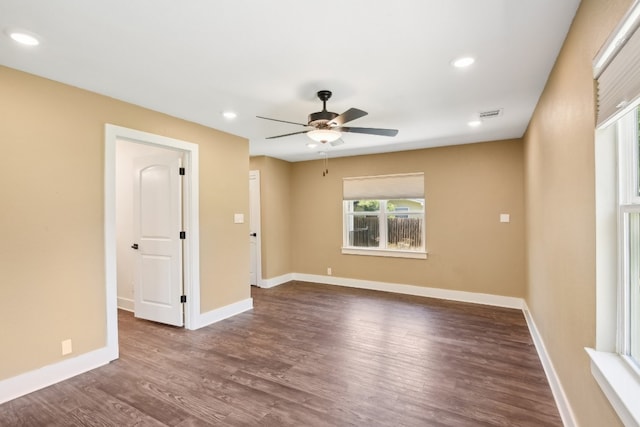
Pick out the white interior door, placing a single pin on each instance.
(254, 228)
(157, 225)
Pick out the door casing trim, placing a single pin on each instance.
(191, 223)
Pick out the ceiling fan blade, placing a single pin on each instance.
(287, 134)
(282, 121)
(347, 116)
(369, 131)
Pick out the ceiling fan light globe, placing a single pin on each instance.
(324, 135)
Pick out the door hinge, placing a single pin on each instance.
(181, 171)
(183, 298)
(183, 235)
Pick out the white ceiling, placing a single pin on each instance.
(195, 59)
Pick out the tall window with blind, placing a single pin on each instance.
(615, 363)
(384, 215)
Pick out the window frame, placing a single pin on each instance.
(617, 155)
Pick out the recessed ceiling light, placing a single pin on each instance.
(229, 115)
(463, 62)
(474, 123)
(23, 37)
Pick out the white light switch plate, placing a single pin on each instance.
(238, 218)
(505, 218)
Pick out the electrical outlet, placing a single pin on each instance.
(329, 272)
(66, 347)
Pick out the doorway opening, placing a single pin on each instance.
(149, 207)
(255, 235)
(143, 142)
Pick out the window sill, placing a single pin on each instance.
(385, 253)
(619, 382)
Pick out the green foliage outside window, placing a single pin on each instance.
(371, 206)
(366, 206)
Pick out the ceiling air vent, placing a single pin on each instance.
(490, 114)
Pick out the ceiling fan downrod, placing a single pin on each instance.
(321, 118)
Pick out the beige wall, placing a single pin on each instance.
(275, 215)
(52, 215)
(560, 203)
(467, 187)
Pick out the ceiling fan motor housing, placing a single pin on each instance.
(321, 118)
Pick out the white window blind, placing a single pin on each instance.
(617, 70)
(404, 186)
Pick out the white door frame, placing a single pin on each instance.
(191, 224)
(256, 208)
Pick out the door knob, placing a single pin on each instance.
(134, 246)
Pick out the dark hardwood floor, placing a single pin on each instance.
(312, 355)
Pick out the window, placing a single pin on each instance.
(615, 362)
(632, 285)
(384, 216)
(629, 234)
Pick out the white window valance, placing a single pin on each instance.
(617, 70)
(401, 186)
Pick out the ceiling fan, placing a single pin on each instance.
(328, 126)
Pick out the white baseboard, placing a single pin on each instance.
(225, 312)
(568, 418)
(37, 379)
(462, 296)
(126, 304)
(275, 281)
